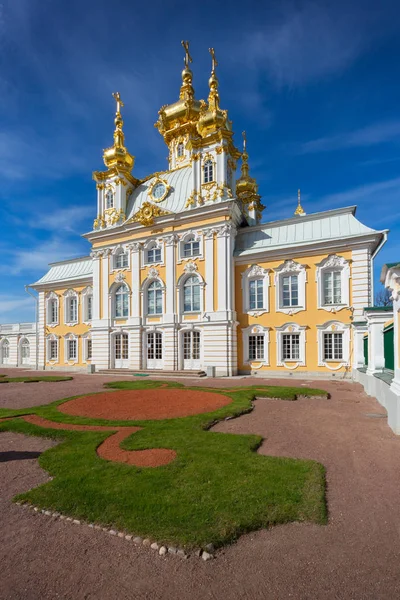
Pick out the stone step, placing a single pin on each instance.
(154, 373)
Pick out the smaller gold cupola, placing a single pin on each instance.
(177, 121)
(213, 118)
(117, 156)
(247, 189)
(299, 212)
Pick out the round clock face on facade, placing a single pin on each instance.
(159, 191)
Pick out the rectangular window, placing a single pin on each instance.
(53, 347)
(256, 294)
(333, 346)
(256, 347)
(290, 346)
(121, 260)
(88, 349)
(72, 310)
(332, 287)
(290, 290)
(89, 307)
(72, 349)
(191, 249)
(53, 311)
(154, 255)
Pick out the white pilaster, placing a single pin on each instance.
(359, 330)
(209, 259)
(135, 298)
(170, 270)
(376, 354)
(105, 294)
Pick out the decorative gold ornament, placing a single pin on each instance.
(219, 149)
(110, 217)
(299, 212)
(157, 183)
(147, 213)
(100, 186)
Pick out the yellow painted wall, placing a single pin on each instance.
(62, 330)
(311, 317)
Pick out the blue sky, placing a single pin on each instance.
(315, 85)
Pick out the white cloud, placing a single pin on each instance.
(62, 219)
(371, 135)
(15, 308)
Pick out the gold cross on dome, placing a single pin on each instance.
(117, 98)
(188, 59)
(214, 60)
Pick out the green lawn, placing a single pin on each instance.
(33, 379)
(217, 488)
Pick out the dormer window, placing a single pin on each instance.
(208, 171)
(109, 199)
(180, 151)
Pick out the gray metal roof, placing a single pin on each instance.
(81, 268)
(181, 187)
(317, 227)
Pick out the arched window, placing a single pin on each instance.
(109, 199)
(180, 150)
(208, 171)
(191, 247)
(121, 259)
(52, 308)
(5, 351)
(52, 348)
(154, 298)
(71, 307)
(191, 294)
(122, 301)
(153, 253)
(25, 351)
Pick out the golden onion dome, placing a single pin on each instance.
(117, 155)
(212, 117)
(246, 186)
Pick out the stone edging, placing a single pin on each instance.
(161, 549)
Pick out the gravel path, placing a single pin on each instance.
(356, 556)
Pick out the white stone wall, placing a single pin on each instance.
(15, 334)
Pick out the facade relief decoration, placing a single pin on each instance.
(147, 213)
(109, 218)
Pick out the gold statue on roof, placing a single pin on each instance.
(188, 59)
(299, 212)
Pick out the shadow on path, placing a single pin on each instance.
(15, 455)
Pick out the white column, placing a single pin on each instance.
(359, 330)
(170, 270)
(96, 285)
(225, 239)
(209, 258)
(135, 268)
(376, 354)
(105, 273)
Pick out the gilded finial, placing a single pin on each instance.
(117, 98)
(245, 156)
(188, 59)
(299, 212)
(214, 60)
(117, 155)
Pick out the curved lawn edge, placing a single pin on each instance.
(46, 378)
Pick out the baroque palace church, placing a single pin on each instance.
(183, 275)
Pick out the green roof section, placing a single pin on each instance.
(379, 308)
(392, 265)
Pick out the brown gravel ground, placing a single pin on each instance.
(356, 556)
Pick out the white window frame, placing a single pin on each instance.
(49, 339)
(86, 294)
(252, 273)
(51, 298)
(149, 245)
(68, 297)
(190, 270)
(116, 253)
(290, 267)
(5, 343)
(187, 237)
(108, 190)
(255, 330)
(289, 328)
(334, 263)
(152, 277)
(334, 327)
(114, 288)
(180, 146)
(69, 338)
(85, 344)
(208, 159)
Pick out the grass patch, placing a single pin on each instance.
(33, 379)
(217, 488)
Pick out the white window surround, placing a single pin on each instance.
(190, 270)
(51, 298)
(49, 339)
(69, 295)
(187, 237)
(291, 328)
(153, 275)
(69, 338)
(255, 330)
(116, 253)
(334, 327)
(334, 263)
(255, 272)
(149, 245)
(290, 267)
(119, 281)
(85, 339)
(86, 294)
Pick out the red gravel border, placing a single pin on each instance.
(141, 405)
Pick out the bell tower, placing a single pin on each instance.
(116, 184)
